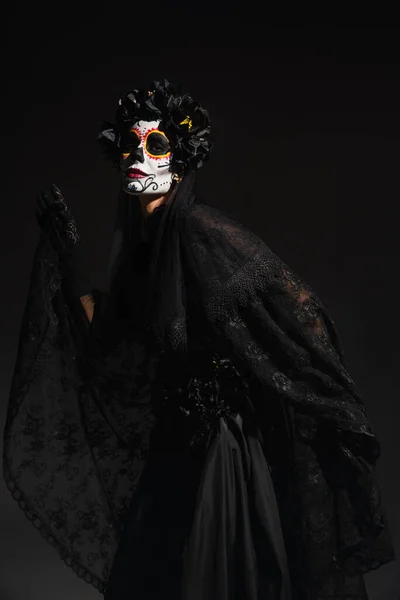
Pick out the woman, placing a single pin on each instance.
(194, 433)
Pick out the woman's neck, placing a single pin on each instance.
(148, 205)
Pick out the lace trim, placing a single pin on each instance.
(79, 570)
(46, 261)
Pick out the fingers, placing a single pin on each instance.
(57, 192)
(50, 198)
(46, 199)
(55, 219)
(43, 202)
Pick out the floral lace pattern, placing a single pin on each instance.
(79, 423)
(318, 440)
(73, 482)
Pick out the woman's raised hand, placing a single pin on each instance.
(56, 220)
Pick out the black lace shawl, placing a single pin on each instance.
(318, 440)
(77, 430)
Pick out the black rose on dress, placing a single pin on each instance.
(185, 122)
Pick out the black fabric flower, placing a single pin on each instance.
(183, 120)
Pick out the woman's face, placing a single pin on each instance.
(146, 160)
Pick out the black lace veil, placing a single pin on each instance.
(140, 259)
(145, 275)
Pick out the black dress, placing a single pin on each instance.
(204, 522)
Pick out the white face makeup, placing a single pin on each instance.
(146, 160)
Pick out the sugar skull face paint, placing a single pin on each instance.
(146, 160)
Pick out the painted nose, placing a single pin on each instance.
(137, 155)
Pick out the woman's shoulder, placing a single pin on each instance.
(215, 226)
(204, 213)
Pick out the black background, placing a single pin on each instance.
(306, 126)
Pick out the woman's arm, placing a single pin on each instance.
(59, 225)
(88, 303)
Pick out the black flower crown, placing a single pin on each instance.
(183, 120)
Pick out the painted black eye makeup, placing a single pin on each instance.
(157, 144)
(129, 142)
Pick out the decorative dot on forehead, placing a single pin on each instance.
(142, 128)
(141, 131)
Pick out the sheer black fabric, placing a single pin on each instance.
(154, 268)
(77, 427)
(86, 414)
(272, 325)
